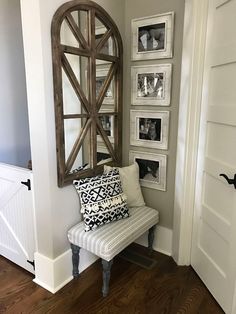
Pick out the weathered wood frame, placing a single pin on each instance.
(91, 105)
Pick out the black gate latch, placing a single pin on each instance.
(27, 183)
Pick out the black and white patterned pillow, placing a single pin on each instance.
(102, 199)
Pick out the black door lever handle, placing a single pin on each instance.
(230, 181)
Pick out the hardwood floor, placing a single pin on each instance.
(166, 288)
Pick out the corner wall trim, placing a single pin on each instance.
(193, 56)
(53, 274)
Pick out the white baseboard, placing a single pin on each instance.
(162, 240)
(55, 274)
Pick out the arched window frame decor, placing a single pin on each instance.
(91, 104)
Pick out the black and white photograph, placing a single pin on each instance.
(101, 76)
(152, 169)
(149, 128)
(107, 122)
(152, 37)
(151, 85)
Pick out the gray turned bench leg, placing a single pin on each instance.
(75, 260)
(151, 233)
(106, 276)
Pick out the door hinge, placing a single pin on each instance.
(27, 183)
(32, 263)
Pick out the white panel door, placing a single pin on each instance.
(17, 232)
(214, 235)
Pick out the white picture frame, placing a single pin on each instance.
(101, 75)
(151, 85)
(152, 37)
(152, 169)
(149, 128)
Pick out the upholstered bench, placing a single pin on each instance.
(109, 240)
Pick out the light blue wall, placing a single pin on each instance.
(14, 126)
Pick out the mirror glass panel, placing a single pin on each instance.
(105, 44)
(87, 90)
(71, 103)
(67, 37)
(103, 155)
(103, 81)
(73, 130)
(83, 22)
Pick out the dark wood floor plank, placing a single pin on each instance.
(167, 289)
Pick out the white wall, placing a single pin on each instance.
(14, 126)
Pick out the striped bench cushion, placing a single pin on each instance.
(109, 240)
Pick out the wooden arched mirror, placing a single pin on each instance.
(87, 72)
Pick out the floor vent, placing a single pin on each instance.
(144, 261)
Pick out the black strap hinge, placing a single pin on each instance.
(32, 263)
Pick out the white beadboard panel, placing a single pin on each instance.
(19, 216)
(11, 249)
(4, 185)
(17, 232)
(7, 240)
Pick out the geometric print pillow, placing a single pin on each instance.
(102, 199)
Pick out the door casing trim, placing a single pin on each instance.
(193, 55)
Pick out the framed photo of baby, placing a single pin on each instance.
(149, 128)
(152, 37)
(151, 85)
